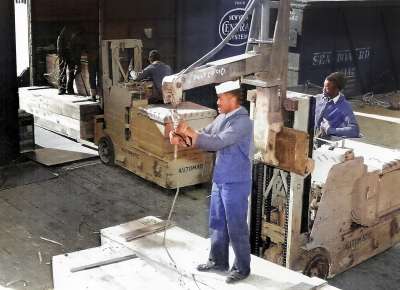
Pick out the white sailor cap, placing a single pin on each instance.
(227, 87)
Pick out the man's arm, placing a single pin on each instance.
(144, 74)
(350, 130)
(208, 128)
(214, 142)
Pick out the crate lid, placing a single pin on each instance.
(186, 110)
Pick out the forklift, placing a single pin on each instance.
(135, 135)
(319, 209)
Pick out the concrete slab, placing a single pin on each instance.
(183, 251)
(47, 139)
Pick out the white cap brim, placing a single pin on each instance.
(227, 87)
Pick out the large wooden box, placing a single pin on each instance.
(152, 125)
(189, 168)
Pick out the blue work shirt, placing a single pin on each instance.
(339, 114)
(231, 136)
(155, 72)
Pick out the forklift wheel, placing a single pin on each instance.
(318, 266)
(106, 150)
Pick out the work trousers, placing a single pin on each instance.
(73, 66)
(93, 68)
(228, 224)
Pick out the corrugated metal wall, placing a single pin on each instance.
(9, 147)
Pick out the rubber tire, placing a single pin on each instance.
(317, 266)
(106, 151)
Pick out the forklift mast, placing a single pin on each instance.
(281, 135)
(264, 66)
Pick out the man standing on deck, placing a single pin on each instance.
(231, 137)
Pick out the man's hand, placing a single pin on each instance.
(325, 126)
(182, 128)
(187, 134)
(173, 139)
(178, 139)
(133, 75)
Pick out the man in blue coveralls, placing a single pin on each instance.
(231, 137)
(333, 113)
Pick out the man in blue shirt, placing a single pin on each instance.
(333, 113)
(154, 72)
(231, 137)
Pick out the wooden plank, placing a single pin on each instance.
(73, 106)
(147, 230)
(61, 114)
(103, 263)
(69, 115)
(52, 157)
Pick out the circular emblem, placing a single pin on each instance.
(228, 23)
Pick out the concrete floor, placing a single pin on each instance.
(89, 196)
(72, 208)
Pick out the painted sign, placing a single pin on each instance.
(228, 23)
(230, 13)
(343, 59)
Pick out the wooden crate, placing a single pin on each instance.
(140, 136)
(152, 124)
(190, 168)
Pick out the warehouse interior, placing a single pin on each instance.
(95, 194)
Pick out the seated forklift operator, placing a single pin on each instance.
(333, 113)
(154, 72)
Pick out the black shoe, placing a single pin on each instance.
(61, 92)
(210, 266)
(69, 92)
(235, 276)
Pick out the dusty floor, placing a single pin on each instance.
(88, 196)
